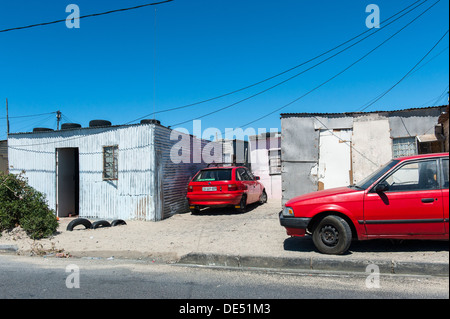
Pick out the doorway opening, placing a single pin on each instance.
(67, 182)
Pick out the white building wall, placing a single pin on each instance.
(334, 158)
(372, 145)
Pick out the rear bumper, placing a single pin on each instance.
(295, 226)
(214, 199)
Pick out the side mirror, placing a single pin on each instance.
(257, 178)
(382, 187)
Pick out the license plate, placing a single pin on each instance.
(209, 189)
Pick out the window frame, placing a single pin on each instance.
(416, 161)
(274, 169)
(115, 163)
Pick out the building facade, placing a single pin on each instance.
(130, 172)
(322, 151)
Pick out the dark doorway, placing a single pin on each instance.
(67, 182)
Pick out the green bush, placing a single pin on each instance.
(21, 205)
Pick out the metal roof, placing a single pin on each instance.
(285, 115)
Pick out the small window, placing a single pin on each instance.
(405, 146)
(110, 166)
(274, 162)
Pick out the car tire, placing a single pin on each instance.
(242, 204)
(118, 222)
(263, 197)
(100, 223)
(79, 221)
(332, 235)
(195, 211)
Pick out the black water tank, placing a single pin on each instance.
(67, 126)
(95, 123)
(42, 129)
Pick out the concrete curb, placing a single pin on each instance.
(8, 249)
(316, 264)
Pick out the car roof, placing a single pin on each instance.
(432, 155)
(221, 167)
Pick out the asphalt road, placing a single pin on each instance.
(72, 278)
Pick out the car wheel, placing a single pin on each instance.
(242, 204)
(263, 197)
(100, 223)
(79, 221)
(332, 235)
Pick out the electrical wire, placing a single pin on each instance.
(288, 70)
(406, 75)
(254, 95)
(341, 72)
(86, 16)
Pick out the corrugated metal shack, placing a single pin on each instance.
(107, 172)
(4, 157)
(322, 151)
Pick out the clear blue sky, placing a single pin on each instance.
(114, 68)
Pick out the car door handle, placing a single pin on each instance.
(428, 200)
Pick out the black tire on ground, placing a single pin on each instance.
(79, 221)
(100, 223)
(118, 222)
(242, 205)
(263, 197)
(332, 235)
(195, 211)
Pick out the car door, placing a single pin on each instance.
(445, 199)
(410, 204)
(245, 180)
(253, 185)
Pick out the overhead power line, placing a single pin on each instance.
(360, 59)
(290, 69)
(406, 75)
(86, 16)
(31, 115)
(341, 72)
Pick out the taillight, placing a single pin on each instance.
(232, 187)
(190, 189)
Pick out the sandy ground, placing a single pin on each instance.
(220, 231)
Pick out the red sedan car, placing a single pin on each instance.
(225, 186)
(405, 199)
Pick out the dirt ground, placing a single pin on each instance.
(219, 231)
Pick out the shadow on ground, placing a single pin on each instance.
(305, 244)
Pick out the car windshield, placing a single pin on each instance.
(369, 180)
(211, 175)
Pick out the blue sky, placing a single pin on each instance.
(122, 66)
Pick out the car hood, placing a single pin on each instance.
(322, 195)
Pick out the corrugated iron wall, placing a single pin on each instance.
(131, 196)
(176, 176)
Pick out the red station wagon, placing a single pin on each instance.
(405, 199)
(225, 186)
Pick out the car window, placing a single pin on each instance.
(250, 175)
(211, 175)
(242, 175)
(372, 178)
(414, 176)
(445, 171)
